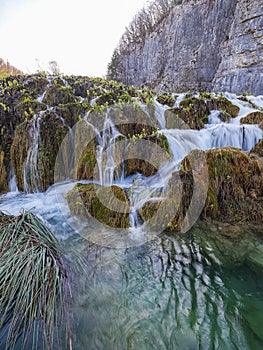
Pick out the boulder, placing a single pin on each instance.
(108, 205)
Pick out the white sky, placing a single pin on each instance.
(79, 34)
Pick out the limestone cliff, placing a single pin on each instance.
(200, 44)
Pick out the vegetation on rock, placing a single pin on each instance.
(253, 118)
(97, 201)
(234, 192)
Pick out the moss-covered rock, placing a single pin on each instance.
(222, 104)
(36, 83)
(72, 112)
(145, 154)
(166, 99)
(131, 119)
(19, 151)
(52, 132)
(257, 149)
(87, 163)
(57, 94)
(253, 118)
(234, 194)
(235, 186)
(193, 112)
(27, 108)
(109, 205)
(3, 175)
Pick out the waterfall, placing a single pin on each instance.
(107, 167)
(12, 180)
(31, 168)
(70, 166)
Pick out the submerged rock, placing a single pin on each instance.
(108, 205)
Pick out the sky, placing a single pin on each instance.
(80, 35)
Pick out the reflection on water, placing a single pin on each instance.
(167, 294)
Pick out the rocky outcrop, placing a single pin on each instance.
(202, 44)
(253, 118)
(108, 205)
(234, 194)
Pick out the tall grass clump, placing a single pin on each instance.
(34, 285)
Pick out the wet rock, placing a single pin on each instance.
(3, 175)
(257, 150)
(193, 112)
(108, 205)
(19, 151)
(145, 154)
(253, 118)
(234, 192)
(166, 99)
(59, 95)
(52, 132)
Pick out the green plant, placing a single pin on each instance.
(33, 282)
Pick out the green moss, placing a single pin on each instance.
(52, 132)
(258, 149)
(85, 202)
(3, 175)
(145, 154)
(87, 162)
(166, 99)
(56, 95)
(19, 151)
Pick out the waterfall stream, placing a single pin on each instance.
(31, 166)
(190, 291)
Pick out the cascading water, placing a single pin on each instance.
(31, 166)
(12, 181)
(174, 292)
(107, 167)
(71, 145)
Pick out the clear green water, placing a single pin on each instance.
(180, 292)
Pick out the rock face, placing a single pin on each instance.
(201, 44)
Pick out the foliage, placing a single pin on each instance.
(33, 282)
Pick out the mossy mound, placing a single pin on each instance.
(132, 120)
(72, 112)
(3, 175)
(145, 154)
(235, 191)
(166, 99)
(224, 105)
(86, 165)
(19, 151)
(235, 186)
(253, 118)
(193, 112)
(258, 149)
(109, 205)
(57, 94)
(52, 132)
(28, 107)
